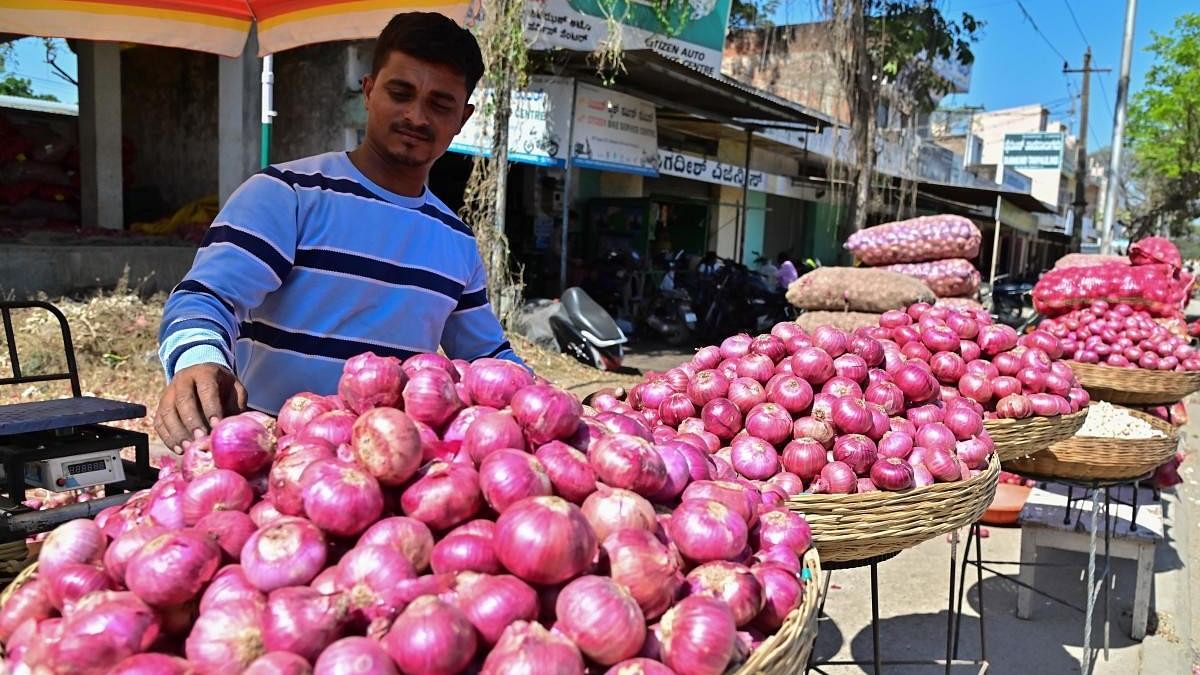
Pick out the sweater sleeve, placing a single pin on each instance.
(472, 330)
(246, 254)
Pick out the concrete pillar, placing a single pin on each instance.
(238, 118)
(100, 162)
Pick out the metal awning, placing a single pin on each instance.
(649, 75)
(983, 196)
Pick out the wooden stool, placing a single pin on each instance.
(1042, 526)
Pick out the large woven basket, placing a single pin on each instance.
(1135, 386)
(1091, 458)
(1020, 438)
(787, 651)
(857, 527)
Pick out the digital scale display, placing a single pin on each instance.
(86, 467)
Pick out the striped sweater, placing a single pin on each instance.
(310, 263)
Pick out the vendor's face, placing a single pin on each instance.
(414, 109)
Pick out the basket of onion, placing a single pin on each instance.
(431, 517)
(1122, 355)
(1115, 443)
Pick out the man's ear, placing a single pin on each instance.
(467, 112)
(368, 84)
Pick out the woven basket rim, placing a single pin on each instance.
(1008, 423)
(1015, 438)
(883, 498)
(1136, 386)
(794, 640)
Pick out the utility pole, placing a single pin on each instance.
(1080, 203)
(1118, 137)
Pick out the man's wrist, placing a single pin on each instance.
(199, 354)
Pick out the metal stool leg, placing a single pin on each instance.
(979, 586)
(878, 657)
(951, 622)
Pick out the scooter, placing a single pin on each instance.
(584, 330)
(669, 313)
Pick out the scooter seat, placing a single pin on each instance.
(585, 313)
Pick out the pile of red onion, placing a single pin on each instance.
(1121, 336)
(431, 517)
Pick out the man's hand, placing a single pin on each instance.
(197, 397)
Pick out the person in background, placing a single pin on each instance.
(314, 261)
(787, 270)
(709, 264)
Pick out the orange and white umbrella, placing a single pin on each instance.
(215, 26)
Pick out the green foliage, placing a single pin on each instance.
(752, 13)
(905, 38)
(23, 87)
(1164, 125)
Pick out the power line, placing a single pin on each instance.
(1076, 22)
(1104, 92)
(1033, 23)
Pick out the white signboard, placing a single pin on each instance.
(695, 33)
(684, 165)
(614, 132)
(537, 129)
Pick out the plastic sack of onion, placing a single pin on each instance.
(432, 517)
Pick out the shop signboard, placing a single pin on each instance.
(1042, 150)
(691, 32)
(537, 129)
(614, 132)
(684, 165)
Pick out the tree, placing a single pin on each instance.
(893, 44)
(23, 87)
(752, 13)
(1164, 131)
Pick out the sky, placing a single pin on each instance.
(1014, 65)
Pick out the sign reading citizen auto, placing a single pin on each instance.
(1033, 151)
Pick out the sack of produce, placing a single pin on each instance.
(916, 240)
(846, 321)
(1155, 251)
(1089, 260)
(1159, 289)
(959, 303)
(947, 278)
(856, 289)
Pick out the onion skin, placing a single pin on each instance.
(354, 655)
(601, 618)
(610, 510)
(227, 638)
(646, 568)
(101, 631)
(229, 529)
(491, 603)
(571, 476)
(491, 432)
(699, 637)
(340, 498)
(508, 476)
(302, 621)
(241, 443)
(387, 444)
(30, 601)
(544, 540)
(721, 417)
(217, 490)
(173, 567)
(431, 636)
(409, 536)
(628, 462)
(368, 578)
(546, 413)
(76, 541)
(230, 584)
(465, 553)
(804, 457)
(289, 552)
(301, 409)
(370, 381)
(153, 664)
(492, 382)
(525, 647)
(783, 527)
(706, 530)
(444, 496)
(782, 593)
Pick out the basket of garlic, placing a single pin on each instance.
(1114, 443)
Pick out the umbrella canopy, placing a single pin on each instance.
(215, 26)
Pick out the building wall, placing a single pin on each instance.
(314, 103)
(793, 62)
(169, 115)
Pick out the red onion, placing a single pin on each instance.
(816, 429)
(706, 530)
(370, 381)
(975, 451)
(916, 351)
(851, 366)
(769, 345)
(339, 497)
(918, 386)
(217, 490)
(838, 478)
(939, 339)
(570, 474)
(769, 422)
(465, 552)
(371, 578)
(707, 385)
(289, 552)
(285, 488)
(838, 386)
(546, 413)
(948, 367)
(782, 594)
(492, 382)
(507, 476)
(851, 415)
(639, 666)
(756, 367)
(241, 443)
(491, 432)
(699, 636)
(995, 339)
(302, 621)
(29, 602)
(153, 664)
(734, 495)
(601, 618)
(444, 495)
(491, 603)
(354, 655)
(264, 513)
(609, 510)
(745, 393)
(831, 340)
(429, 360)
(895, 444)
(300, 409)
(1014, 406)
(165, 504)
(736, 346)
(173, 567)
(544, 540)
(963, 423)
(936, 436)
(921, 475)
(103, 629)
(790, 483)
(1044, 405)
(526, 647)
(790, 393)
(618, 423)
(333, 427)
(229, 530)
(855, 450)
(628, 462)
(430, 397)
(942, 465)
(780, 556)
(386, 443)
(886, 395)
(652, 394)
(722, 418)
(646, 567)
(431, 636)
(230, 584)
(781, 527)
(804, 457)
(813, 365)
(892, 473)
(676, 408)
(72, 581)
(707, 357)
(754, 457)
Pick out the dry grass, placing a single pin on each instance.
(115, 339)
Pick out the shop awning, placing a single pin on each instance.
(984, 196)
(215, 26)
(672, 85)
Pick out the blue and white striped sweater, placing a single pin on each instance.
(310, 263)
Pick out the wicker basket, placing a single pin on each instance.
(787, 651)
(1020, 438)
(863, 526)
(1135, 386)
(1091, 458)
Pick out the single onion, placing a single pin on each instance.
(546, 413)
(243, 444)
(570, 474)
(943, 465)
(289, 552)
(491, 603)
(791, 483)
(646, 567)
(856, 451)
(757, 367)
(229, 530)
(465, 552)
(628, 462)
(781, 556)
(430, 397)
(544, 540)
(722, 418)
(230, 584)
(526, 647)
(370, 381)
(227, 637)
(101, 630)
(300, 409)
(490, 432)
(1014, 406)
(609, 510)
(781, 527)
(936, 436)
(372, 578)
(699, 636)
(431, 636)
(918, 385)
(734, 495)
(895, 444)
(892, 474)
(217, 490)
(353, 655)
(886, 395)
(386, 443)
(173, 567)
(492, 382)
(975, 451)
(706, 386)
(705, 530)
(963, 423)
(443, 496)
(339, 497)
(29, 602)
(782, 593)
(334, 427)
(302, 621)
(601, 618)
(72, 581)
(745, 393)
(790, 393)
(817, 429)
(619, 423)
(508, 476)
(838, 478)
(754, 457)
(770, 422)
(676, 408)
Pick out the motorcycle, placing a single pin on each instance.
(669, 313)
(738, 300)
(584, 330)
(1011, 301)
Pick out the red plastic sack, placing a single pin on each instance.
(1155, 251)
(952, 278)
(1159, 289)
(916, 240)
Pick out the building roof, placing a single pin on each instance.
(984, 196)
(38, 105)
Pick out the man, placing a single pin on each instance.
(787, 270)
(314, 261)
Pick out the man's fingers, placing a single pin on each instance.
(188, 407)
(172, 430)
(233, 395)
(209, 394)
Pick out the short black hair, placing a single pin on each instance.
(431, 37)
